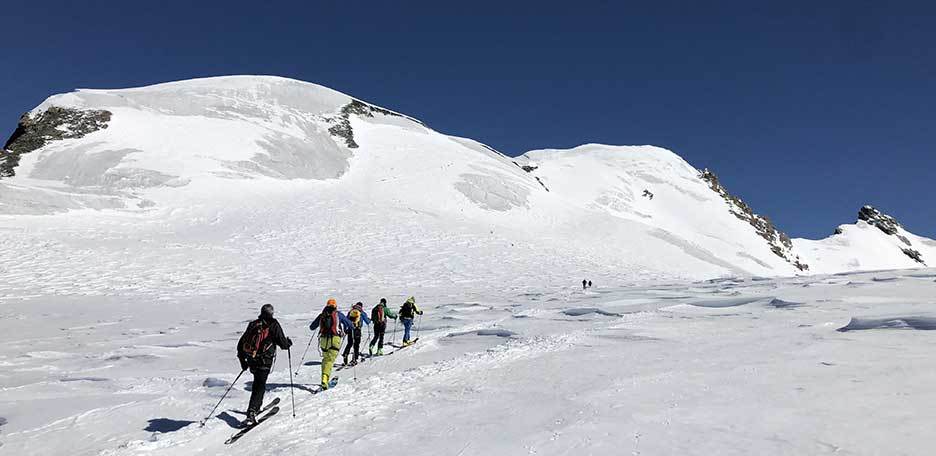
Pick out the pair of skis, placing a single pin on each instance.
(264, 415)
(268, 411)
(361, 358)
(404, 345)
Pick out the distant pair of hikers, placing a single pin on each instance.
(332, 324)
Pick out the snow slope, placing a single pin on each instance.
(728, 367)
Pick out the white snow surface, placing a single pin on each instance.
(132, 258)
(730, 367)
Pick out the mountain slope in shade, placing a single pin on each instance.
(278, 174)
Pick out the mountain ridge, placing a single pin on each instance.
(159, 149)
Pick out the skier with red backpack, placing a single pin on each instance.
(256, 351)
(331, 326)
(379, 315)
(358, 318)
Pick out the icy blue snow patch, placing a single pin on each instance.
(859, 324)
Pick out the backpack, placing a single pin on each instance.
(407, 310)
(328, 322)
(378, 314)
(355, 316)
(255, 341)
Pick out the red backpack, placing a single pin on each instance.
(255, 339)
(379, 314)
(328, 322)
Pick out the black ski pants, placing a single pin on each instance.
(379, 330)
(258, 389)
(354, 339)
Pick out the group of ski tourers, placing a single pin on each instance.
(256, 348)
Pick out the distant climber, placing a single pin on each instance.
(331, 326)
(358, 318)
(256, 351)
(589, 284)
(584, 284)
(379, 315)
(407, 313)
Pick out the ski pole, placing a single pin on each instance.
(222, 398)
(304, 355)
(292, 388)
(395, 321)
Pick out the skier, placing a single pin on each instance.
(379, 315)
(589, 284)
(584, 284)
(331, 325)
(407, 313)
(256, 351)
(357, 317)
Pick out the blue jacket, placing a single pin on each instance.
(342, 319)
(364, 317)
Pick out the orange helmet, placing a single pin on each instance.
(332, 303)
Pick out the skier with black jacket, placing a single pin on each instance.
(256, 351)
(407, 314)
(379, 315)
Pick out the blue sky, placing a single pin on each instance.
(808, 110)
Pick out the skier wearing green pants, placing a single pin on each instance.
(331, 326)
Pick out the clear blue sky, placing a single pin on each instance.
(806, 109)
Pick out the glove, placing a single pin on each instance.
(288, 343)
(243, 363)
(420, 312)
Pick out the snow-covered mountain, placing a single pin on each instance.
(141, 228)
(258, 166)
(876, 241)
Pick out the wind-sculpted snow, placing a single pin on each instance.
(491, 192)
(781, 304)
(130, 373)
(484, 332)
(582, 311)
(81, 166)
(727, 302)
(289, 157)
(858, 324)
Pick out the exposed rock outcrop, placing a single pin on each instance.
(342, 123)
(53, 124)
(780, 244)
(889, 226)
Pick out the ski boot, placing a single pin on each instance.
(251, 419)
(345, 360)
(370, 350)
(379, 352)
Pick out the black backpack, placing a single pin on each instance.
(256, 340)
(407, 310)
